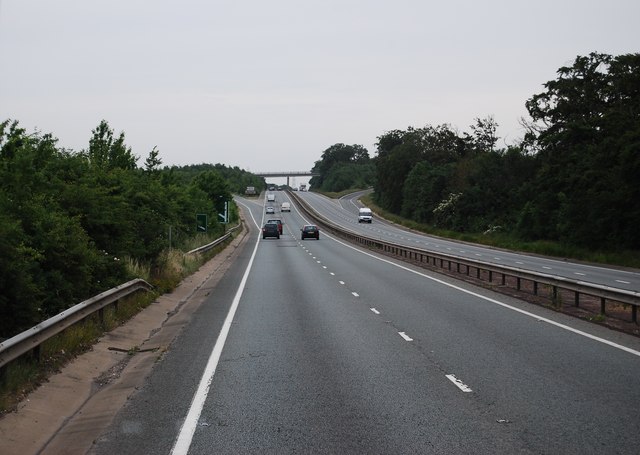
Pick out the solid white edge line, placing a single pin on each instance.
(504, 305)
(182, 444)
(459, 384)
(488, 299)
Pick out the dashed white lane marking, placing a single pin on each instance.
(497, 302)
(341, 282)
(578, 273)
(374, 310)
(518, 262)
(355, 294)
(546, 267)
(459, 384)
(332, 274)
(623, 282)
(405, 336)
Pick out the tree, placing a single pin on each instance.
(587, 135)
(342, 167)
(107, 153)
(153, 161)
(485, 134)
(400, 151)
(425, 187)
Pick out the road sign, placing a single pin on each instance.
(225, 216)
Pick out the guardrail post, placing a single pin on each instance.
(602, 300)
(535, 288)
(634, 313)
(101, 316)
(490, 276)
(504, 279)
(35, 352)
(554, 296)
(576, 299)
(518, 283)
(478, 272)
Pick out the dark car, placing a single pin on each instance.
(270, 230)
(278, 222)
(310, 231)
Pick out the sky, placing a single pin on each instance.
(269, 85)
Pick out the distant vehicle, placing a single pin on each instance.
(270, 210)
(271, 197)
(310, 231)
(278, 222)
(272, 188)
(270, 230)
(250, 191)
(285, 207)
(365, 215)
(303, 187)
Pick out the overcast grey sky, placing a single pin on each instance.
(269, 85)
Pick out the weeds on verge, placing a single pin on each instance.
(23, 375)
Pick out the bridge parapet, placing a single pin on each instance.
(287, 174)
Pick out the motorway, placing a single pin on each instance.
(317, 346)
(344, 212)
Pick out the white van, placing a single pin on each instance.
(271, 197)
(285, 207)
(365, 215)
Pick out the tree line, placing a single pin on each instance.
(70, 222)
(572, 178)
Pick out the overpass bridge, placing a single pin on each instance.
(287, 174)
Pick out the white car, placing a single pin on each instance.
(270, 210)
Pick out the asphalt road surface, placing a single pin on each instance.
(315, 346)
(344, 212)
